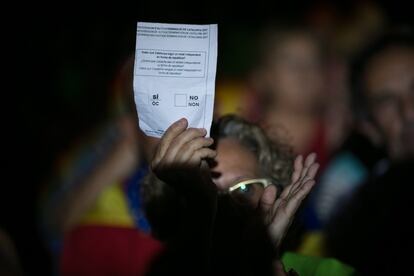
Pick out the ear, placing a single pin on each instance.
(268, 198)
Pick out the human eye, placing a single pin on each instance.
(248, 193)
(245, 189)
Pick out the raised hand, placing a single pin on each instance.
(280, 211)
(180, 152)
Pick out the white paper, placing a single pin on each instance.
(174, 75)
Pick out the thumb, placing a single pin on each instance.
(268, 198)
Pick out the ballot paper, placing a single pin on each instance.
(174, 75)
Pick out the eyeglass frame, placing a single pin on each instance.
(264, 181)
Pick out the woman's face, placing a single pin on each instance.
(236, 163)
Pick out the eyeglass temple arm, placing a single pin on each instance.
(265, 182)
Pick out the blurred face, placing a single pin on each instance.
(389, 84)
(236, 163)
(295, 75)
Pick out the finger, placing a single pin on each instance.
(194, 161)
(310, 159)
(312, 171)
(185, 137)
(286, 191)
(279, 204)
(173, 131)
(201, 154)
(268, 198)
(309, 176)
(187, 150)
(298, 166)
(296, 199)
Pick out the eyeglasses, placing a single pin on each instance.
(249, 191)
(243, 185)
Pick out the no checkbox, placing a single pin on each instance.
(180, 100)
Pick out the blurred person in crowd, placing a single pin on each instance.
(231, 218)
(382, 80)
(379, 160)
(91, 212)
(290, 81)
(298, 100)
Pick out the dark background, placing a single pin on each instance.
(61, 60)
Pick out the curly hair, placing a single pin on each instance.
(275, 158)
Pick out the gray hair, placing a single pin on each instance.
(274, 157)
